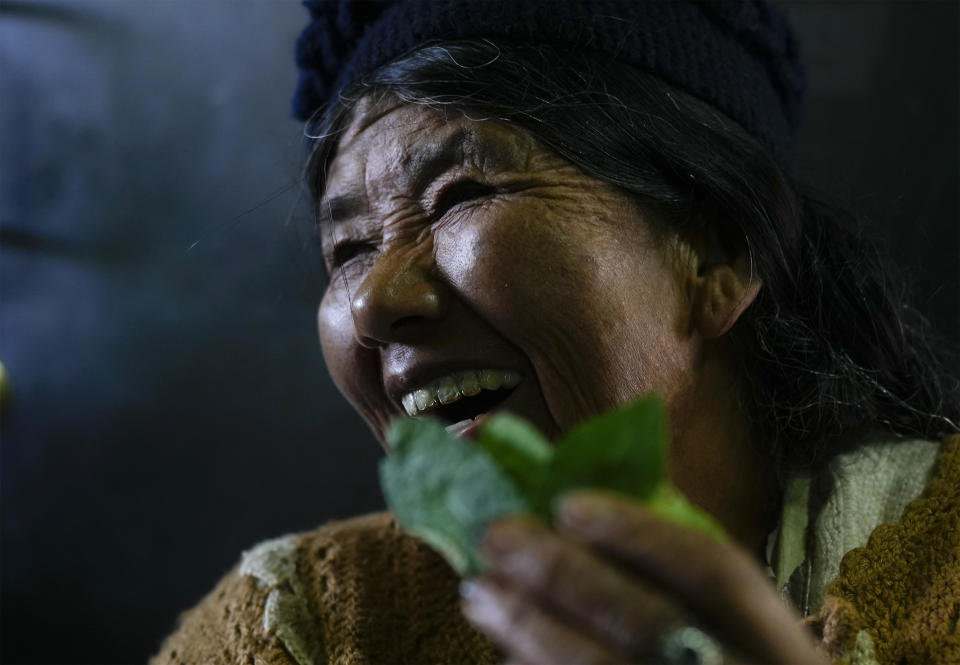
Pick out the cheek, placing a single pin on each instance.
(335, 327)
(537, 269)
(354, 369)
(594, 310)
(507, 262)
(536, 278)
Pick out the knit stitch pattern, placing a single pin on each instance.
(870, 486)
(362, 591)
(903, 587)
(738, 55)
(286, 612)
(383, 596)
(372, 594)
(226, 628)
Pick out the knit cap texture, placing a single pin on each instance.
(739, 55)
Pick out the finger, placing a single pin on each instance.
(720, 581)
(569, 580)
(526, 632)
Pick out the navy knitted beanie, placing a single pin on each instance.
(738, 55)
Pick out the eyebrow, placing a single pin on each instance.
(422, 167)
(429, 163)
(341, 207)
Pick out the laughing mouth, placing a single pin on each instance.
(461, 395)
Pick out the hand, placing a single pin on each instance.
(613, 579)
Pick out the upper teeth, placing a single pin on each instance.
(450, 388)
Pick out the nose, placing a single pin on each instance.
(398, 298)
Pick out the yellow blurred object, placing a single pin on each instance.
(4, 389)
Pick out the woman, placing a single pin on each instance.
(565, 206)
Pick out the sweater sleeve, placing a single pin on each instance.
(225, 628)
(351, 592)
(897, 599)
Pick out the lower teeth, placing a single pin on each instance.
(465, 421)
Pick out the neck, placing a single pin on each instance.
(714, 462)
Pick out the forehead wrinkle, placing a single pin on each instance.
(367, 112)
(428, 161)
(408, 165)
(426, 152)
(508, 147)
(418, 151)
(351, 201)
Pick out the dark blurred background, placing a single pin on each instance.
(169, 406)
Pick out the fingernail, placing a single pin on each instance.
(469, 591)
(574, 508)
(475, 596)
(484, 607)
(588, 509)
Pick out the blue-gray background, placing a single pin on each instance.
(158, 285)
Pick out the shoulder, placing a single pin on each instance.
(224, 627)
(250, 612)
(896, 596)
(356, 590)
(834, 511)
(278, 561)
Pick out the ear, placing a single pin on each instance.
(721, 293)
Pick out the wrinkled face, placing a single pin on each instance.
(474, 272)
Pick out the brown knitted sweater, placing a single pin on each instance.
(897, 600)
(375, 595)
(361, 591)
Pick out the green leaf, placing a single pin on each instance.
(624, 450)
(445, 490)
(671, 505)
(517, 448)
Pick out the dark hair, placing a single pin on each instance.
(828, 350)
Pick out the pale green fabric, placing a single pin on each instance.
(870, 486)
(793, 527)
(863, 652)
(273, 563)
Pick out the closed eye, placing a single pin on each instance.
(460, 192)
(345, 251)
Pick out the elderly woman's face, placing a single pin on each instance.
(474, 272)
